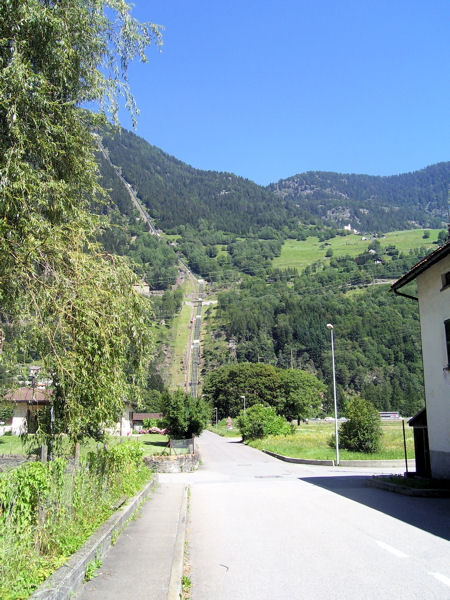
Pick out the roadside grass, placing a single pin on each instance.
(299, 254)
(49, 511)
(152, 443)
(222, 430)
(311, 441)
(12, 444)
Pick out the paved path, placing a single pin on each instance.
(261, 529)
(138, 566)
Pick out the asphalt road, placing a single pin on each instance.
(261, 529)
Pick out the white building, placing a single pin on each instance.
(27, 402)
(432, 275)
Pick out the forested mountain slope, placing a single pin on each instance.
(371, 203)
(176, 194)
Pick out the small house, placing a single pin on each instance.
(138, 418)
(27, 402)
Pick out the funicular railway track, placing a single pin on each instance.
(193, 350)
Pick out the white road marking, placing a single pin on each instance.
(392, 550)
(441, 578)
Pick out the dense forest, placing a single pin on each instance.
(153, 260)
(176, 194)
(370, 203)
(281, 320)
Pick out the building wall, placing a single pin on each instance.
(434, 306)
(19, 420)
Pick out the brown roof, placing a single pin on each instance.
(29, 395)
(422, 265)
(142, 416)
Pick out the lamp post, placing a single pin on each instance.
(243, 397)
(215, 408)
(331, 328)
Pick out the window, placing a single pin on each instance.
(447, 338)
(445, 280)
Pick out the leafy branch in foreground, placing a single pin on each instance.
(73, 305)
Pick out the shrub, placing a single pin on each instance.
(362, 430)
(184, 416)
(261, 421)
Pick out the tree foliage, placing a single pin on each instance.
(303, 394)
(74, 302)
(260, 421)
(294, 394)
(184, 415)
(362, 430)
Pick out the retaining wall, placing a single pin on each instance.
(182, 463)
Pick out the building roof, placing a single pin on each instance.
(419, 421)
(142, 416)
(29, 395)
(422, 266)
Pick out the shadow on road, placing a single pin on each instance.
(429, 514)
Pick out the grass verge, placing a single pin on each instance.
(152, 443)
(222, 430)
(311, 441)
(49, 511)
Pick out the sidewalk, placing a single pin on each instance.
(139, 565)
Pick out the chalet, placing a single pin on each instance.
(432, 275)
(27, 402)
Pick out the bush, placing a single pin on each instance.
(261, 421)
(362, 430)
(184, 416)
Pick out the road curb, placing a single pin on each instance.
(343, 463)
(301, 461)
(176, 572)
(62, 584)
(400, 462)
(406, 491)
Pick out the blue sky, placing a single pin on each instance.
(270, 88)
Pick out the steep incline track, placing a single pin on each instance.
(193, 350)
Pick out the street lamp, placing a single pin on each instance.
(215, 408)
(331, 328)
(243, 397)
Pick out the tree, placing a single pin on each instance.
(259, 383)
(442, 237)
(184, 416)
(303, 394)
(74, 302)
(362, 430)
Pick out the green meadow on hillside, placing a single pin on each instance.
(299, 254)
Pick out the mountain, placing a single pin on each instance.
(371, 203)
(176, 194)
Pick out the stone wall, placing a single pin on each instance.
(11, 461)
(182, 463)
